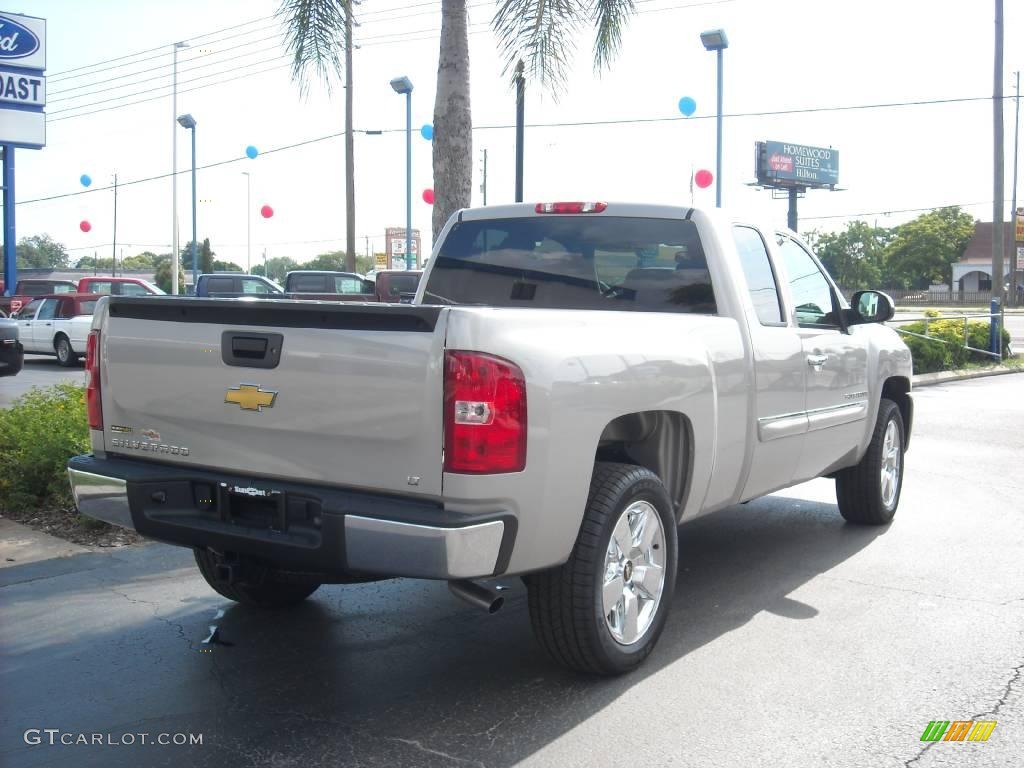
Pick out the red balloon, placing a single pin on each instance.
(428, 196)
(266, 211)
(85, 226)
(703, 179)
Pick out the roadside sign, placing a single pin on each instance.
(380, 260)
(1019, 237)
(20, 87)
(783, 164)
(22, 80)
(23, 129)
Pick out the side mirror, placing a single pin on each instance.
(873, 306)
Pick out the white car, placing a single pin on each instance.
(57, 325)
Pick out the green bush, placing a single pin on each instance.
(930, 356)
(38, 434)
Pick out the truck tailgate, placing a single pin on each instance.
(355, 398)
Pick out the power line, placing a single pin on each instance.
(168, 67)
(162, 96)
(629, 121)
(426, 34)
(169, 85)
(66, 74)
(897, 210)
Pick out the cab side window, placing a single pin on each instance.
(28, 312)
(254, 286)
(811, 291)
(47, 310)
(132, 289)
(757, 269)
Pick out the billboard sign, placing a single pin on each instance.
(22, 80)
(1019, 236)
(783, 164)
(394, 246)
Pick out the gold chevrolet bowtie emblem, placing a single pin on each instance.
(250, 397)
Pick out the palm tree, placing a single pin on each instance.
(314, 31)
(540, 33)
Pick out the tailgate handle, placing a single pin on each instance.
(251, 350)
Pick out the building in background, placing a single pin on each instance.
(973, 273)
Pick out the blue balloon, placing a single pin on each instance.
(427, 132)
(687, 106)
(86, 179)
(251, 152)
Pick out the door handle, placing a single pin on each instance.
(816, 361)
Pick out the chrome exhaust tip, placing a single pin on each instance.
(477, 594)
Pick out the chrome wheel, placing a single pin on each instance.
(890, 472)
(634, 573)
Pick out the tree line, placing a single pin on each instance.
(909, 256)
(43, 252)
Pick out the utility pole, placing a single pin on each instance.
(520, 127)
(113, 248)
(350, 173)
(995, 342)
(1012, 299)
(483, 185)
(175, 255)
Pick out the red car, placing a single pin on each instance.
(28, 289)
(118, 286)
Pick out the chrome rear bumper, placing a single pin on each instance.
(344, 540)
(100, 497)
(426, 551)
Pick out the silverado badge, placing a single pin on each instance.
(250, 397)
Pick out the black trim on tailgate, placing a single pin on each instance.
(277, 313)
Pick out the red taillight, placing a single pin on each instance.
(484, 414)
(92, 381)
(570, 207)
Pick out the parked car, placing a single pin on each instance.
(328, 286)
(12, 354)
(396, 286)
(118, 286)
(26, 290)
(572, 382)
(57, 325)
(226, 285)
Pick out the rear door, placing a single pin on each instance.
(836, 363)
(334, 394)
(779, 375)
(26, 321)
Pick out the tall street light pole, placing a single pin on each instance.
(995, 343)
(403, 85)
(1012, 299)
(175, 256)
(715, 40)
(248, 222)
(189, 122)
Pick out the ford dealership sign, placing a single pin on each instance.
(22, 80)
(16, 41)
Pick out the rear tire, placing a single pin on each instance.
(603, 611)
(869, 492)
(263, 588)
(65, 354)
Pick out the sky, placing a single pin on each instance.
(783, 56)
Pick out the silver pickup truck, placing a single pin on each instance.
(572, 381)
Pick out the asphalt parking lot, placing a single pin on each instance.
(794, 639)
